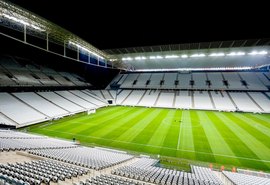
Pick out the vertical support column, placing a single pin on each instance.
(47, 44)
(24, 33)
(98, 61)
(78, 53)
(64, 48)
(89, 56)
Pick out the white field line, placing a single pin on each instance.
(180, 133)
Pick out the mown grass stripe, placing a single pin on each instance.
(186, 138)
(201, 143)
(261, 119)
(93, 126)
(260, 126)
(253, 129)
(136, 129)
(238, 147)
(254, 145)
(146, 134)
(71, 123)
(170, 139)
(159, 135)
(121, 125)
(214, 138)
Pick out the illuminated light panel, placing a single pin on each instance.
(127, 59)
(22, 22)
(85, 49)
(236, 53)
(140, 58)
(258, 53)
(198, 69)
(184, 56)
(198, 55)
(171, 56)
(155, 57)
(216, 54)
(113, 59)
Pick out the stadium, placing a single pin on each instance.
(189, 113)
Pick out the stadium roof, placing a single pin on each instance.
(16, 17)
(191, 46)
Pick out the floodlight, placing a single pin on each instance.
(79, 46)
(171, 56)
(198, 55)
(258, 53)
(21, 21)
(155, 57)
(127, 58)
(140, 58)
(236, 53)
(184, 56)
(216, 54)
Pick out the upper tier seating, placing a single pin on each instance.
(248, 81)
(13, 73)
(205, 100)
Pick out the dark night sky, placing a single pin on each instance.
(136, 24)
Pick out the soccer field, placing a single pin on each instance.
(239, 139)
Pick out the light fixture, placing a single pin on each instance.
(155, 57)
(171, 56)
(236, 53)
(198, 55)
(127, 59)
(79, 46)
(258, 53)
(140, 58)
(216, 54)
(22, 22)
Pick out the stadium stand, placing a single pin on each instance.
(87, 157)
(109, 179)
(222, 101)
(12, 108)
(183, 100)
(149, 98)
(42, 106)
(248, 81)
(222, 91)
(12, 140)
(144, 170)
(243, 179)
(12, 73)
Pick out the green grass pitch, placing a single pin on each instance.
(238, 139)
